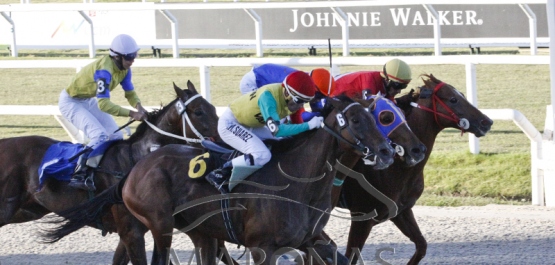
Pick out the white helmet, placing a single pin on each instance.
(123, 44)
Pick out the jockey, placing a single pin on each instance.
(394, 77)
(254, 117)
(269, 73)
(86, 101)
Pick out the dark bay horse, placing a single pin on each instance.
(429, 110)
(281, 205)
(20, 201)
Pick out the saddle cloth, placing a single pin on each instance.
(60, 160)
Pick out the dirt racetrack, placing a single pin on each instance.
(493, 234)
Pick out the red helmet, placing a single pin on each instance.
(299, 86)
(322, 79)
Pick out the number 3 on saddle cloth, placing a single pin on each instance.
(60, 160)
(214, 157)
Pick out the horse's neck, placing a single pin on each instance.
(424, 126)
(318, 152)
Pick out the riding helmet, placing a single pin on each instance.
(300, 86)
(397, 71)
(322, 78)
(123, 44)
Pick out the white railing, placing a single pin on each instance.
(204, 65)
(437, 42)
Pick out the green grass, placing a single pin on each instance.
(500, 174)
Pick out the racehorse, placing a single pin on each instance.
(21, 202)
(429, 110)
(281, 205)
(392, 124)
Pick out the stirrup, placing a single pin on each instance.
(218, 182)
(83, 184)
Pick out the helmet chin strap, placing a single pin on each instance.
(118, 62)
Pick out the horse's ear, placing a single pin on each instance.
(403, 102)
(335, 102)
(178, 91)
(365, 102)
(191, 86)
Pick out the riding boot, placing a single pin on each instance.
(219, 176)
(79, 178)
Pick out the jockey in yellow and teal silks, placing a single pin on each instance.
(256, 116)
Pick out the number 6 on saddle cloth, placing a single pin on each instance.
(214, 157)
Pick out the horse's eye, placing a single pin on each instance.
(354, 120)
(198, 112)
(453, 100)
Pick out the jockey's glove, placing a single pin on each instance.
(315, 122)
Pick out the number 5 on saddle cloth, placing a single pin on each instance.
(214, 157)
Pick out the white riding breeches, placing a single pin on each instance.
(244, 139)
(85, 115)
(248, 83)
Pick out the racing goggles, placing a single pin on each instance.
(127, 57)
(397, 85)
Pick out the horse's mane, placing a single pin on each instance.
(404, 101)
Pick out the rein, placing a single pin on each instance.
(181, 108)
(344, 124)
(463, 123)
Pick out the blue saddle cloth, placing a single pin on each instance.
(56, 163)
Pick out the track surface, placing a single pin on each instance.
(493, 234)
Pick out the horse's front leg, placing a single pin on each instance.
(120, 255)
(323, 248)
(206, 248)
(359, 232)
(407, 224)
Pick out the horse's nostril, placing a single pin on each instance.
(387, 151)
(418, 150)
(486, 122)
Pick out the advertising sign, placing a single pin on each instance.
(398, 22)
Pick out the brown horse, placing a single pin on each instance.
(281, 205)
(432, 108)
(20, 201)
(400, 134)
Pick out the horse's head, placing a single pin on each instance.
(449, 107)
(189, 113)
(200, 116)
(351, 123)
(392, 124)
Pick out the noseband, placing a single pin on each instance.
(463, 123)
(181, 109)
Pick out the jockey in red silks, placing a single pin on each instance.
(269, 73)
(394, 77)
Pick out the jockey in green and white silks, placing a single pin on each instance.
(256, 116)
(86, 101)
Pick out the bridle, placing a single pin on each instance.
(343, 124)
(181, 109)
(462, 123)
